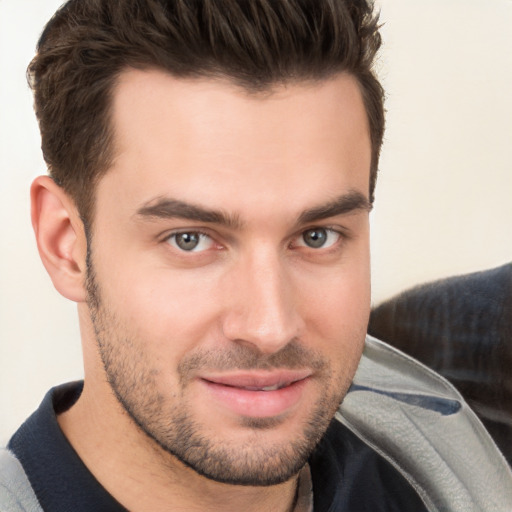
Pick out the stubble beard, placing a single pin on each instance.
(169, 423)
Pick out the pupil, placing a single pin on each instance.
(187, 241)
(315, 237)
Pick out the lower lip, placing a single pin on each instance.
(256, 404)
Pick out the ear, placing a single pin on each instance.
(60, 237)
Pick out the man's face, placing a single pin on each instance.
(229, 267)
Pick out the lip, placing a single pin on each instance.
(257, 394)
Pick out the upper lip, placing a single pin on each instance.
(258, 379)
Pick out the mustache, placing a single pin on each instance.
(293, 356)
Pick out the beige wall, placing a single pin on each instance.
(443, 199)
(444, 196)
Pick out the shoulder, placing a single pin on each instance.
(350, 476)
(16, 494)
(419, 423)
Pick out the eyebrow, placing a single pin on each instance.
(167, 208)
(345, 204)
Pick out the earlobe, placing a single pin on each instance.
(60, 237)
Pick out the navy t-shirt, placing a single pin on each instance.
(348, 475)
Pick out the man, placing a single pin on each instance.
(212, 168)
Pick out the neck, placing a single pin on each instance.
(142, 476)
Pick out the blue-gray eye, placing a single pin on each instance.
(190, 241)
(319, 238)
(187, 241)
(315, 238)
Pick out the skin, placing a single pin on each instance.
(259, 300)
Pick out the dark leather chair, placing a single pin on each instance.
(462, 328)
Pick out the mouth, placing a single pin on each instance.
(253, 394)
(259, 381)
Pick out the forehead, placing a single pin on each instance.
(201, 135)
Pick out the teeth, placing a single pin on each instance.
(271, 388)
(266, 388)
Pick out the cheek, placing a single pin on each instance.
(341, 297)
(337, 315)
(163, 308)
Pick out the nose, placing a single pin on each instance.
(262, 308)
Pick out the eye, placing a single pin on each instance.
(319, 238)
(190, 241)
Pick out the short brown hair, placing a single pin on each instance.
(255, 43)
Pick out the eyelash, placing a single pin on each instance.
(341, 235)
